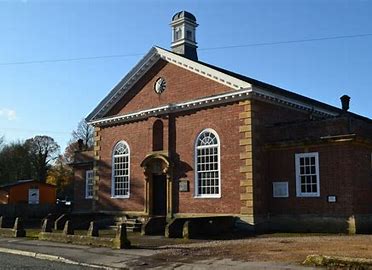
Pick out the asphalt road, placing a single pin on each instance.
(10, 262)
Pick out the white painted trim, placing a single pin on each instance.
(212, 101)
(113, 196)
(204, 196)
(202, 70)
(86, 183)
(125, 84)
(183, 106)
(267, 95)
(146, 63)
(298, 179)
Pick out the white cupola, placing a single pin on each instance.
(183, 34)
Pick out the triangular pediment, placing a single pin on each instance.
(148, 62)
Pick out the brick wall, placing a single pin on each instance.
(334, 174)
(249, 126)
(182, 85)
(225, 121)
(361, 177)
(266, 115)
(138, 137)
(80, 203)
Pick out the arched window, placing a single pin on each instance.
(207, 165)
(120, 170)
(157, 136)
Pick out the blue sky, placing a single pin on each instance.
(52, 97)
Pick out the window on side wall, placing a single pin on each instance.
(89, 184)
(120, 170)
(307, 175)
(207, 165)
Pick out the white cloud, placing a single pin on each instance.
(8, 114)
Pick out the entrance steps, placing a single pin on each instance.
(132, 224)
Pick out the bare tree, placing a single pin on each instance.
(69, 154)
(42, 151)
(84, 132)
(1, 141)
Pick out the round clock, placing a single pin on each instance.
(160, 85)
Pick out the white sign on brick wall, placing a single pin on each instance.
(280, 190)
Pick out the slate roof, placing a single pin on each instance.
(259, 84)
(22, 182)
(284, 92)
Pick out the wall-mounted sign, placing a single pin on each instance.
(280, 189)
(183, 185)
(331, 198)
(33, 196)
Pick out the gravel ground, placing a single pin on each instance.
(291, 249)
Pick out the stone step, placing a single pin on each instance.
(132, 224)
(132, 221)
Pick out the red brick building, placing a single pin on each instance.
(28, 192)
(181, 138)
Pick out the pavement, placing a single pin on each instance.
(106, 258)
(14, 262)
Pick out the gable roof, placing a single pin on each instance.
(242, 86)
(146, 63)
(22, 182)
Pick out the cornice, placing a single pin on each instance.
(212, 101)
(176, 107)
(270, 97)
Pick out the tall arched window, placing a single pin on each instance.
(120, 170)
(207, 165)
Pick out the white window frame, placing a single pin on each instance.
(113, 196)
(89, 176)
(298, 174)
(196, 194)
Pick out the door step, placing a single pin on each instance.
(132, 224)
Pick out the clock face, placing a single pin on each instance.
(160, 85)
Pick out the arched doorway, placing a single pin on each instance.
(158, 185)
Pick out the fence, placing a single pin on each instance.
(26, 210)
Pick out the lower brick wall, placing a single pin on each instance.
(312, 223)
(320, 223)
(335, 174)
(80, 203)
